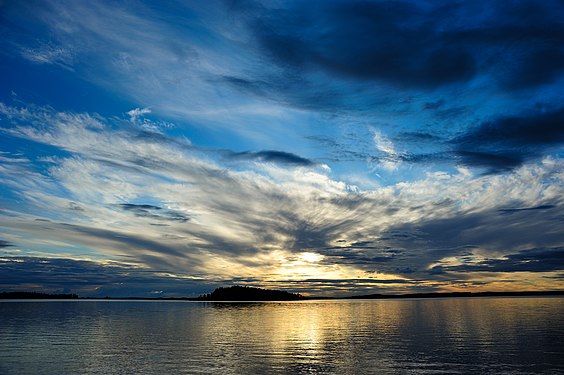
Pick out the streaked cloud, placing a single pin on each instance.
(49, 54)
(272, 156)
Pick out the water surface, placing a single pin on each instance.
(467, 335)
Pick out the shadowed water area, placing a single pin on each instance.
(472, 335)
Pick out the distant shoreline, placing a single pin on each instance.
(459, 295)
(43, 296)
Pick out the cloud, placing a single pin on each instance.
(49, 53)
(541, 129)
(272, 157)
(496, 146)
(365, 40)
(530, 260)
(154, 212)
(136, 113)
(389, 158)
(4, 243)
(364, 253)
(494, 161)
(527, 42)
(476, 238)
(543, 66)
(519, 209)
(507, 142)
(411, 45)
(139, 207)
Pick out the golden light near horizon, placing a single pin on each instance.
(306, 265)
(302, 270)
(311, 257)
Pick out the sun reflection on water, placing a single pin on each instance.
(501, 335)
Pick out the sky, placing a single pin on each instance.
(323, 147)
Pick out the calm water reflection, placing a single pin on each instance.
(486, 335)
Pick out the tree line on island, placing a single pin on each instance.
(245, 293)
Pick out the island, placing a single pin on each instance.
(245, 293)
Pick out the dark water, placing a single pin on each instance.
(485, 335)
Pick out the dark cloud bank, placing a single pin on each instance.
(508, 142)
(411, 44)
(329, 54)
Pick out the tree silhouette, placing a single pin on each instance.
(245, 293)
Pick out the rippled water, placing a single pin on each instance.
(483, 335)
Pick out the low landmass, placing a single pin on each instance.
(459, 294)
(36, 295)
(245, 293)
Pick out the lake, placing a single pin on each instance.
(414, 336)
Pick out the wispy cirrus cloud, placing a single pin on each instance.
(49, 54)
